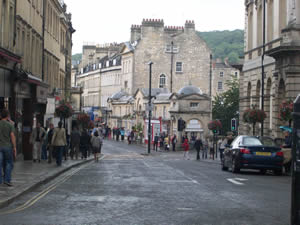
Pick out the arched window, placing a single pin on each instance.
(162, 81)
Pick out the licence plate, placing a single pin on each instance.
(263, 153)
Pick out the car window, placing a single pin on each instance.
(267, 142)
(251, 141)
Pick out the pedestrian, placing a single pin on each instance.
(118, 134)
(84, 144)
(174, 141)
(155, 143)
(49, 144)
(222, 147)
(75, 143)
(186, 148)
(8, 149)
(44, 146)
(132, 136)
(96, 142)
(205, 148)
(36, 140)
(166, 142)
(59, 142)
(161, 141)
(198, 145)
(122, 132)
(211, 148)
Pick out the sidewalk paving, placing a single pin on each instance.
(27, 175)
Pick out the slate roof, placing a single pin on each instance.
(154, 91)
(190, 89)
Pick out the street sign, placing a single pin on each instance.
(149, 107)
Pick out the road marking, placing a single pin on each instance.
(236, 180)
(185, 209)
(43, 193)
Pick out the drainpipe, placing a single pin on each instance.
(43, 39)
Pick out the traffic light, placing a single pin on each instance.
(181, 124)
(233, 124)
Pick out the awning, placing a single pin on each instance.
(10, 56)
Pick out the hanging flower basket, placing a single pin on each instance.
(64, 110)
(84, 120)
(254, 116)
(285, 111)
(214, 125)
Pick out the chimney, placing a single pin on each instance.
(135, 33)
(189, 24)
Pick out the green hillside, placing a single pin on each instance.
(77, 57)
(225, 43)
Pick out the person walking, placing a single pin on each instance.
(174, 141)
(161, 141)
(118, 134)
(96, 142)
(186, 148)
(44, 146)
(84, 144)
(75, 143)
(122, 132)
(36, 139)
(222, 147)
(8, 148)
(155, 143)
(205, 148)
(59, 142)
(49, 142)
(211, 148)
(166, 142)
(198, 145)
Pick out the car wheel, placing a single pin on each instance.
(234, 167)
(278, 172)
(224, 168)
(263, 171)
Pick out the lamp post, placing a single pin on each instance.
(149, 104)
(262, 65)
(172, 57)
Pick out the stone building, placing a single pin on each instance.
(222, 72)
(178, 54)
(282, 68)
(24, 77)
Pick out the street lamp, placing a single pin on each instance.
(149, 104)
(262, 65)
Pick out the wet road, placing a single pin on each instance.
(126, 187)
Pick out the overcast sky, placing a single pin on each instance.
(107, 21)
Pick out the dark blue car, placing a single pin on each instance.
(248, 152)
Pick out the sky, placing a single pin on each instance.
(108, 21)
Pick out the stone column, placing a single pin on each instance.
(297, 11)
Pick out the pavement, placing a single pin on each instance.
(27, 175)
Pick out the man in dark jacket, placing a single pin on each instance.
(49, 139)
(75, 143)
(156, 138)
(198, 145)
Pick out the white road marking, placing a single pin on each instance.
(240, 179)
(233, 180)
(185, 209)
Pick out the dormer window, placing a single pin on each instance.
(107, 63)
(115, 62)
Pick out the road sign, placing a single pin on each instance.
(149, 107)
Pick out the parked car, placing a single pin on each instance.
(248, 152)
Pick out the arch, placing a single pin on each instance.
(162, 81)
(281, 90)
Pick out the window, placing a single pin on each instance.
(220, 85)
(174, 104)
(194, 104)
(162, 81)
(235, 74)
(126, 84)
(107, 63)
(2, 22)
(115, 62)
(221, 74)
(164, 112)
(178, 67)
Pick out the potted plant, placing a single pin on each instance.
(253, 116)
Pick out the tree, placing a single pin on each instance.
(226, 105)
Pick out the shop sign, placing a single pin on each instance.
(23, 90)
(41, 94)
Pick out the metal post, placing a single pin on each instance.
(149, 104)
(295, 189)
(210, 74)
(263, 67)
